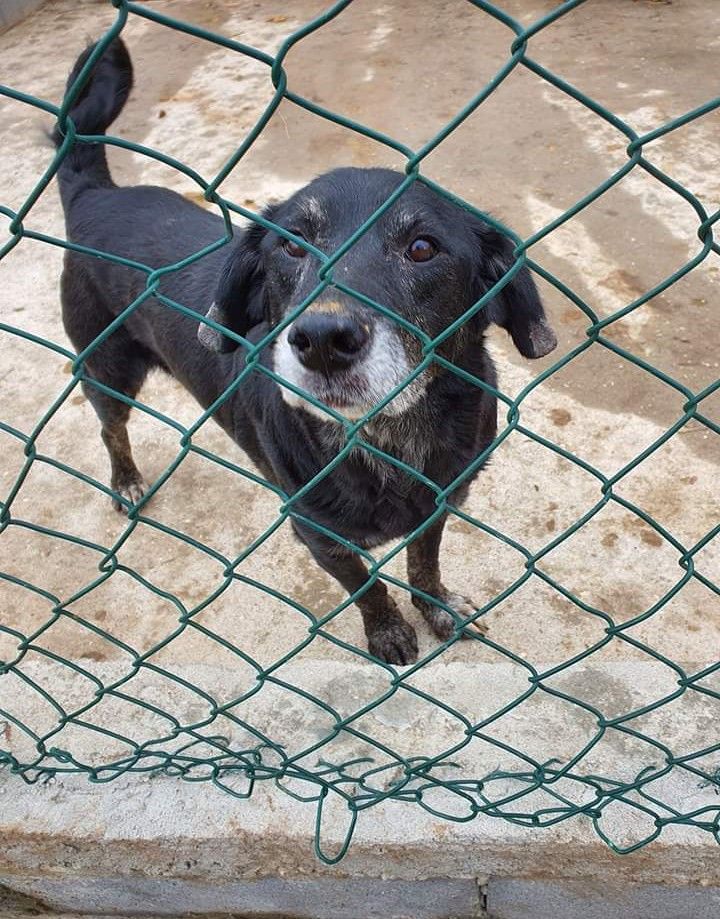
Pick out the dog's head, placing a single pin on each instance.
(426, 259)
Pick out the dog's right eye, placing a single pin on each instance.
(293, 248)
(422, 250)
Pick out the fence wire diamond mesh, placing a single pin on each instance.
(224, 744)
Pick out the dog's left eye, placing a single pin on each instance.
(293, 248)
(421, 250)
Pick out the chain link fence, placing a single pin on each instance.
(531, 793)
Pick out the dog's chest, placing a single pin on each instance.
(385, 482)
(373, 498)
(384, 506)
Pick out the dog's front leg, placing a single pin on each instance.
(390, 637)
(423, 566)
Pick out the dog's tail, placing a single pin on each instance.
(98, 105)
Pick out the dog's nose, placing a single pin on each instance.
(327, 342)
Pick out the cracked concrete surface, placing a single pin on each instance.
(526, 155)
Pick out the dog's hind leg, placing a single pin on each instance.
(118, 363)
(423, 566)
(103, 367)
(126, 478)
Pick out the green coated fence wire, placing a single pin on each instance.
(204, 753)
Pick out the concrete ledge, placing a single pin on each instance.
(500, 898)
(69, 834)
(13, 11)
(160, 846)
(509, 899)
(319, 899)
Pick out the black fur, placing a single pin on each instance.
(252, 283)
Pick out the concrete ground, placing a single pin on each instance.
(527, 154)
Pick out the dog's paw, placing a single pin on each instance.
(440, 620)
(130, 489)
(395, 642)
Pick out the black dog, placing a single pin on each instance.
(426, 259)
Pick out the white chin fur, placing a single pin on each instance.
(384, 368)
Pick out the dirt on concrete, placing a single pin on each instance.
(528, 153)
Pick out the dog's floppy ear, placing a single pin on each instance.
(517, 307)
(237, 304)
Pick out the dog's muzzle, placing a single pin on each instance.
(345, 360)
